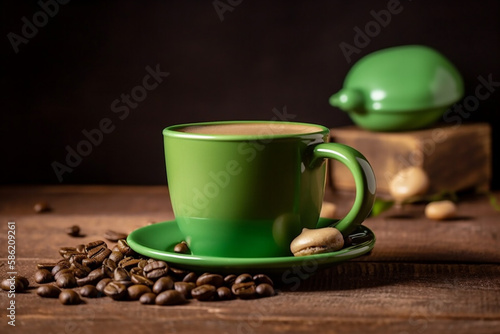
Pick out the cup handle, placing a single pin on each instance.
(364, 179)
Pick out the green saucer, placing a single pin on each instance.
(158, 241)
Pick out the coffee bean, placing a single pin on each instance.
(92, 278)
(108, 267)
(94, 244)
(185, 288)
(107, 272)
(43, 276)
(79, 270)
(47, 266)
(41, 207)
(243, 278)
(137, 290)
(60, 266)
(24, 280)
(162, 284)
(182, 248)
(110, 264)
(148, 298)
(262, 278)
(102, 284)
(115, 290)
(156, 269)
(142, 263)
(170, 297)
(212, 279)
(73, 231)
(126, 283)
(138, 279)
(136, 271)
(224, 293)
(77, 258)
(69, 297)
(229, 280)
(191, 277)
(91, 263)
(66, 280)
(48, 291)
(125, 248)
(114, 235)
(116, 256)
(80, 248)
(99, 253)
(121, 274)
(116, 249)
(264, 290)
(128, 262)
(204, 292)
(178, 273)
(89, 291)
(244, 290)
(62, 272)
(64, 251)
(16, 284)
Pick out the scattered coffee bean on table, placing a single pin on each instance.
(148, 298)
(73, 231)
(204, 292)
(93, 270)
(137, 290)
(244, 290)
(69, 297)
(170, 297)
(19, 284)
(48, 291)
(41, 207)
(89, 291)
(114, 235)
(43, 276)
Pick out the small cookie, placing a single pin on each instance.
(316, 241)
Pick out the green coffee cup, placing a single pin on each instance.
(247, 188)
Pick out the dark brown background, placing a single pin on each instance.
(263, 55)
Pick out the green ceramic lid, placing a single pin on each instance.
(400, 79)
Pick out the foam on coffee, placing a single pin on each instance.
(251, 129)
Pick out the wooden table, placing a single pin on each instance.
(422, 276)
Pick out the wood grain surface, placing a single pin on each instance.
(422, 276)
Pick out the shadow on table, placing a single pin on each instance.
(358, 275)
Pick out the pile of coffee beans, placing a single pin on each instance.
(94, 270)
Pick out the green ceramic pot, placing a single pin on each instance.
(249, 195)
(400, 88)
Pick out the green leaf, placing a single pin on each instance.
(493, 201)
(381, 205)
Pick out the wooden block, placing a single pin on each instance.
(454, 157)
